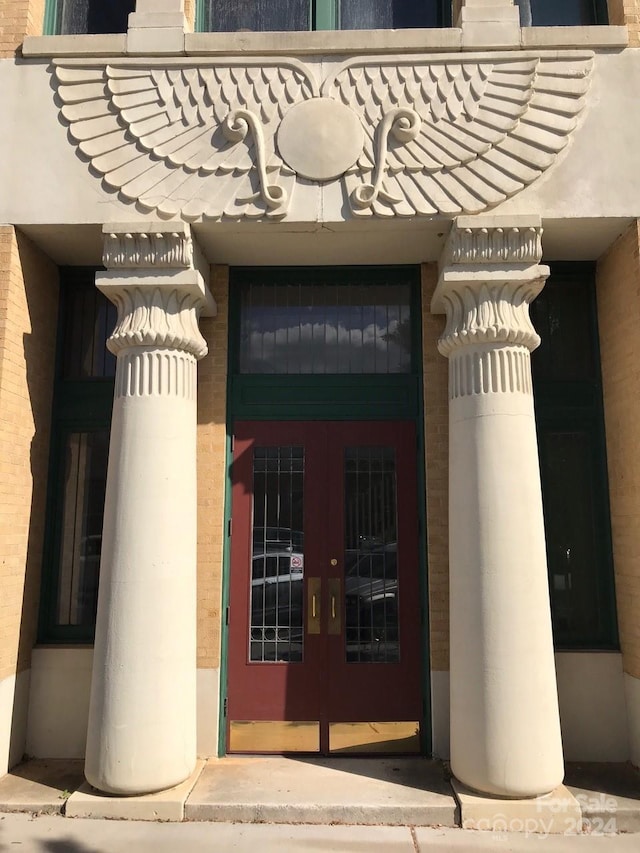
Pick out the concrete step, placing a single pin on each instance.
(274, 789)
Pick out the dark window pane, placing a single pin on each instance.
(563, 317)
(547, 13)
(277, 565)
(258, 15)
(574, 550)
(387, 14)
(300, 328)
(89, 319)
(82, 499)
(95, 16)
(370, 556)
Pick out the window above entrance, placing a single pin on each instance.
(301, 323)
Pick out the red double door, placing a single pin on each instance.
(324, 616)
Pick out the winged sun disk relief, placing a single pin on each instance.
(209, 139)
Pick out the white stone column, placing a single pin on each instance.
(505, 728)
(142, 717)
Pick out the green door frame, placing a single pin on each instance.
(246, 400)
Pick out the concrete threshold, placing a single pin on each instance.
(347, 791)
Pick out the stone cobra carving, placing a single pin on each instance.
(408, 135)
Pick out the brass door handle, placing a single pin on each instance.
(313, 605)
(335, 612)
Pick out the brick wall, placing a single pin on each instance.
(19, 18)
(618, 291)
(212, 404)
(28, 313)
(190, 12)
(626, 12)
(436, 397)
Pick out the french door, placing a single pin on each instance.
(324, 617)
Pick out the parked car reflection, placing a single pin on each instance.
(371, 602)
(277, 615)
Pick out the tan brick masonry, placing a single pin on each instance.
(28, 314)
(626, 12)
(19, 18)
(212, 435)
(436, 397)
(618, 291)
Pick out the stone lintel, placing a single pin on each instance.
(557, 813)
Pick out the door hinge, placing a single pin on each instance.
(229, 526)
(226, 706)
(226, 615)
(233, 443)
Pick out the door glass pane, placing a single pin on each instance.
(370, 559)
(547, 13)
(277, 571)
(387, 14)
(84, 482)
(258, 15)
(574, 553)
(299, 328)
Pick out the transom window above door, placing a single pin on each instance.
(282, 15)
(306, 322)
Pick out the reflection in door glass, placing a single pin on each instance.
(277, 569)
(371, 569)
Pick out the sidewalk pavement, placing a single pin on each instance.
(260, 803)
(21, 833)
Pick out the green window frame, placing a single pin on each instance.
(327, 396)
(325, 14)
(569, 407)
(81, 405)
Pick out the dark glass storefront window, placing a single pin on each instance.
(83, 396)
(568, 398)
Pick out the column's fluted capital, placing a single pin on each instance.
(489, 275)
(157, 278)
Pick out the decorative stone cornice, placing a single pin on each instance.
(167, 249)
(496, 245)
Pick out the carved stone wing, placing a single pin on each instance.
(449, 136)
(184, 138)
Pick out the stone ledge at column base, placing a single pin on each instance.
(557, 813)
(164, 806)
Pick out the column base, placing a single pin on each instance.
(165, 805)
(557, 813)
